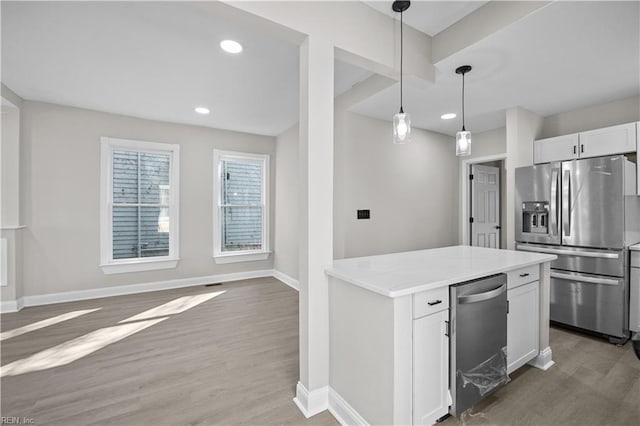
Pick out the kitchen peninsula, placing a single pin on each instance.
(389, 327)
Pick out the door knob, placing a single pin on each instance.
(498, 227)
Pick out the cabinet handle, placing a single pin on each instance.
(435, 302)
(524, 275)
(582, 148)
(447, 329)
(574, 149)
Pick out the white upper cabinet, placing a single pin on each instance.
(593, 143)
(608, 141)
(559, 148)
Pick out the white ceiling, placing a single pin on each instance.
(156, 60)
(159, 60)
(430, 17)
(565, 56)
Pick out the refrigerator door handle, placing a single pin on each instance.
(566, 204)
(583, 279)
(553, 225)
(569, 252)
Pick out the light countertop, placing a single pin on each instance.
(401, 274)
(635, 247)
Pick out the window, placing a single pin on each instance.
(241, 205)
(138, 205)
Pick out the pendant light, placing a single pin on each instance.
(463, 137)
(402, 120)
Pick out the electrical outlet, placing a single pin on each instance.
(364, 214)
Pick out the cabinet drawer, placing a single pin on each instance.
(635, 259)
(523, 276)
(429, 302)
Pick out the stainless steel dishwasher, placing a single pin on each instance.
(478, 339)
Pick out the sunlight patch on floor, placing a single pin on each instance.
(174, 307)
(44, 323)
(75, 349)
(79, 347)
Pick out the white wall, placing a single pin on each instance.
(487, 143)
(61, 191)
(286, 203)
(10, 199)
(10, 166)
(594, 117)
(411, 190)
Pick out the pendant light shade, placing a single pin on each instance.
(402, 120)
(401, 128)
(463, 137)
(463, 143)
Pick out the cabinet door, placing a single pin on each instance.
(555, 149)
(430, 368)
(634, 299)
(608, 141)
(522, 325)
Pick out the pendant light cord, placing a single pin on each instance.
(463, 129)
(401, 57)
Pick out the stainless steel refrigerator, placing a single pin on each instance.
(587, 212)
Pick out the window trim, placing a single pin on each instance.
(219, 256)
(115, 266)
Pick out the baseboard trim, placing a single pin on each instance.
(8, 306)
(287, 279)
(98, 293)
(72, 296)
(312, 402)
(544, 359)
(344, 413)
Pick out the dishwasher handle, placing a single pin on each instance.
(481, 297)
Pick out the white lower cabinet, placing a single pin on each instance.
(522, 325)
(430, 368)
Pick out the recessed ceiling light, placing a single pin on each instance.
(231, 46)
(202, 110)
(448, 116)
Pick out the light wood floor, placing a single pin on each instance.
(234, 360)
(230, 360)
(592, 383)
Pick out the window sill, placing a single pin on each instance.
(139, 266)
(241, 257)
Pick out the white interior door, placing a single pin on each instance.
(485, 206)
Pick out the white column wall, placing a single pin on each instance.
(10, 202)
(523, 127)
(316, 215)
